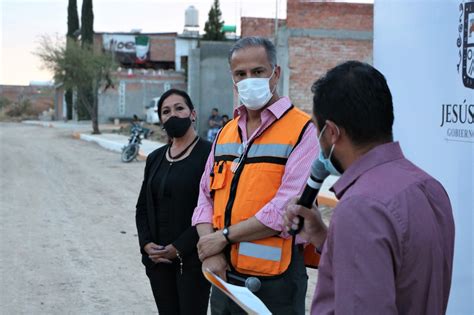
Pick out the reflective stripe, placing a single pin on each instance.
(256, 150)
(260, 251)
(314, 184)
(227, 149)
(276, 150)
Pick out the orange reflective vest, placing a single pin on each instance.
(246, 178)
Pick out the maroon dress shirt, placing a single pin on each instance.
(390, 243)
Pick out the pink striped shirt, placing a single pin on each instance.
(296, 173)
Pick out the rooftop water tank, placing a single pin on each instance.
(191, 17)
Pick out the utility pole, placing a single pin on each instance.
(276, 23)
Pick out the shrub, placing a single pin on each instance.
(4, 102)
(22, 109)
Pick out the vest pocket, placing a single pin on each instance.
(263, 182)
(218, 176)
(265, 257)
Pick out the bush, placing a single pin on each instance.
(4, 102)
(22, 109)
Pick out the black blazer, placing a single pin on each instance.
(145, 209)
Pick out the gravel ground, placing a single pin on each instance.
(68, 236)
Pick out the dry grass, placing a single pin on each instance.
(27, 109)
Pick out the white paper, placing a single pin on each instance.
(240, 295)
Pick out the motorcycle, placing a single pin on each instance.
(130, 151)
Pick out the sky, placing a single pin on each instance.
(23, 22)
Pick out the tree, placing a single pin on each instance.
(78, 67)
(87, 22)
(72, 19)
(87, 41)
(213, 26)
(72, 29)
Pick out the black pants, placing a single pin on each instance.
(176, 293)
(284, 295)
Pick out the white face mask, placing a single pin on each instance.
(255, 93)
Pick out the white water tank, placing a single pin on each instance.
(191, 17)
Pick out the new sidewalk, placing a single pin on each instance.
(110, 141)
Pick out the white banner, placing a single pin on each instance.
(425, 48)
(119, 43)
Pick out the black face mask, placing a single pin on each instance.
(176, 127)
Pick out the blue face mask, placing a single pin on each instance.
(327, 161)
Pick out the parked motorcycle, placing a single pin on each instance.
(130, 151)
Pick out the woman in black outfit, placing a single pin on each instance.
(165, 206)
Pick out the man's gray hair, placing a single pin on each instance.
(255, 41)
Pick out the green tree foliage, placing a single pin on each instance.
(87, 40)
(87, 22)
(72, 29)
(84, 67)
(72, 19)
(213, 26)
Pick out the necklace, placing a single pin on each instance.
(173, 158)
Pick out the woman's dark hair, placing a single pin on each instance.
(170, 92)
(356, 97)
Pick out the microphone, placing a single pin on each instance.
(251, 283)
(311, 190)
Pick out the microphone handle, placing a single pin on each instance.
(306, 200)
(244, 280)
(235, 277)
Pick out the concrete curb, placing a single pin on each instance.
(119, 142)
(105, 143)
(325, 196)
(59, 124)
(142, 156)
(325, 199)
(109, 141)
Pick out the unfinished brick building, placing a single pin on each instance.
(315, 37)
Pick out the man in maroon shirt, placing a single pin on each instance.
(389, 246)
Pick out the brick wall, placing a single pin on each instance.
(311, 58)
(42, 96)
(330, 15)
(162, 48)
(322, 35)
(251, 26)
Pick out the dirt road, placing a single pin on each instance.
(68, 237)
(68, 240)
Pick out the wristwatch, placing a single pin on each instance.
(225, 232)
